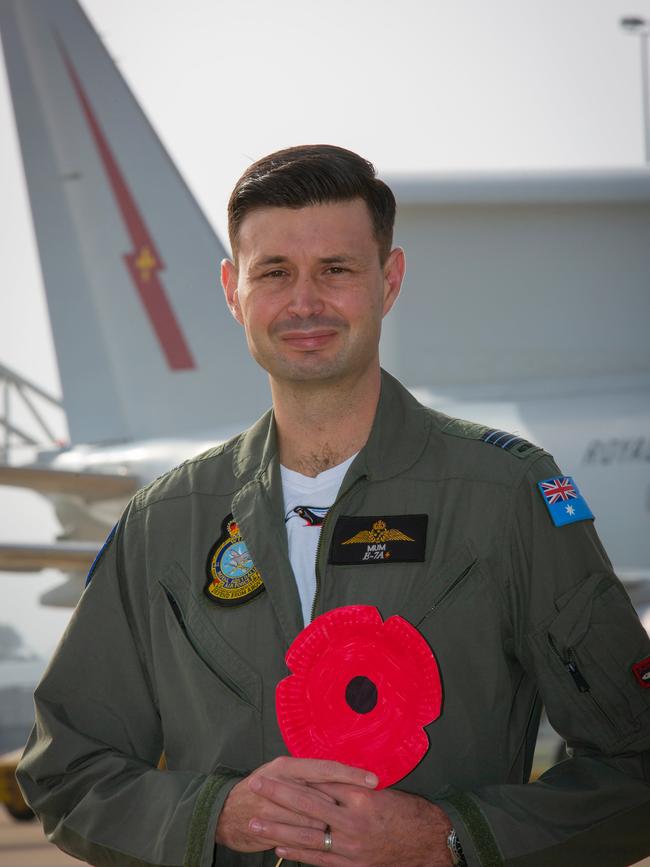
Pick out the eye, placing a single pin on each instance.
(276, 272)
(337, 269)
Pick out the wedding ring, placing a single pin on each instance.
(327, 842)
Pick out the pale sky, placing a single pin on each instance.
(413, 86)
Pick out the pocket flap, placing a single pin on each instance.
(439, 583)
(206, 640)
(575, 611)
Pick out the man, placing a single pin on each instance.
(179, 640)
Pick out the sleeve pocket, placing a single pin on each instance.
(584, 656)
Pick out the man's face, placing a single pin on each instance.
(310, 290)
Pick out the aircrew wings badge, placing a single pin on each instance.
(564, 501)
(379, 539)
(379, 533)
(233, 578)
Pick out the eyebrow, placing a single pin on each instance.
(269, 260)
(279, 260)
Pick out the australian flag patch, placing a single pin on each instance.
(564, 501)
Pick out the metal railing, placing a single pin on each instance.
(16, 390)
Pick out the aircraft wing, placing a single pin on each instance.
(68, 556)
(89, 486)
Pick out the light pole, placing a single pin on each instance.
(641, 27)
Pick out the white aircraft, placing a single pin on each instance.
(152, 366)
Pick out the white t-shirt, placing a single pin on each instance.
(306, 503)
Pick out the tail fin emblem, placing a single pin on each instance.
(146, 263)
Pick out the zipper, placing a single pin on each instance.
(582, 685)
(221, 674)
(176, 611)
(437, 602)
(578, 678)
(320, 540)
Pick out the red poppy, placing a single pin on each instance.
(360, 693)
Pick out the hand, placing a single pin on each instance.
(248, 808)
(368, 829)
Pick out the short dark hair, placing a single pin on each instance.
(311, 175)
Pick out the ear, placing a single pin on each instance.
(394, 268)
(229, 279)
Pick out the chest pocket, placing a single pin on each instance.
(440, 586)
(205, 641)
(586, 654)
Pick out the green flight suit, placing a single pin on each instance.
(507, 601)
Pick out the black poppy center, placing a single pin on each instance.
(361, 694)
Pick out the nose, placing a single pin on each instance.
(305, 298)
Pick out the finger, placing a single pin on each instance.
(297, 799)
(262, 835)
(290, 781)
(289, 835)
(340, 793)
(316, 789)
(267, 811)
(323, 771)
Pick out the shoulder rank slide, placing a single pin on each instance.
(501, 438)
(564, 502)
(512, 443)
(233, 578)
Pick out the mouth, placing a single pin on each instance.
(308, 340)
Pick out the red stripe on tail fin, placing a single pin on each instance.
(143, 262)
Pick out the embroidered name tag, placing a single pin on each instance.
(379, 539)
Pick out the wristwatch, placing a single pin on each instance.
(453, 844)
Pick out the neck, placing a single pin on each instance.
(321, 424)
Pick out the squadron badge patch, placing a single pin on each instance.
(564, 501)
(379, 539)
(233, 578)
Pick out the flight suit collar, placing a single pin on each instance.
(255, 449)
(399, 433)
(398, 436)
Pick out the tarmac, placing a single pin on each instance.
(22, 844)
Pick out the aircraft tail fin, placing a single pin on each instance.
(145, 344)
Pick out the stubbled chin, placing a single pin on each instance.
(307, 368)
